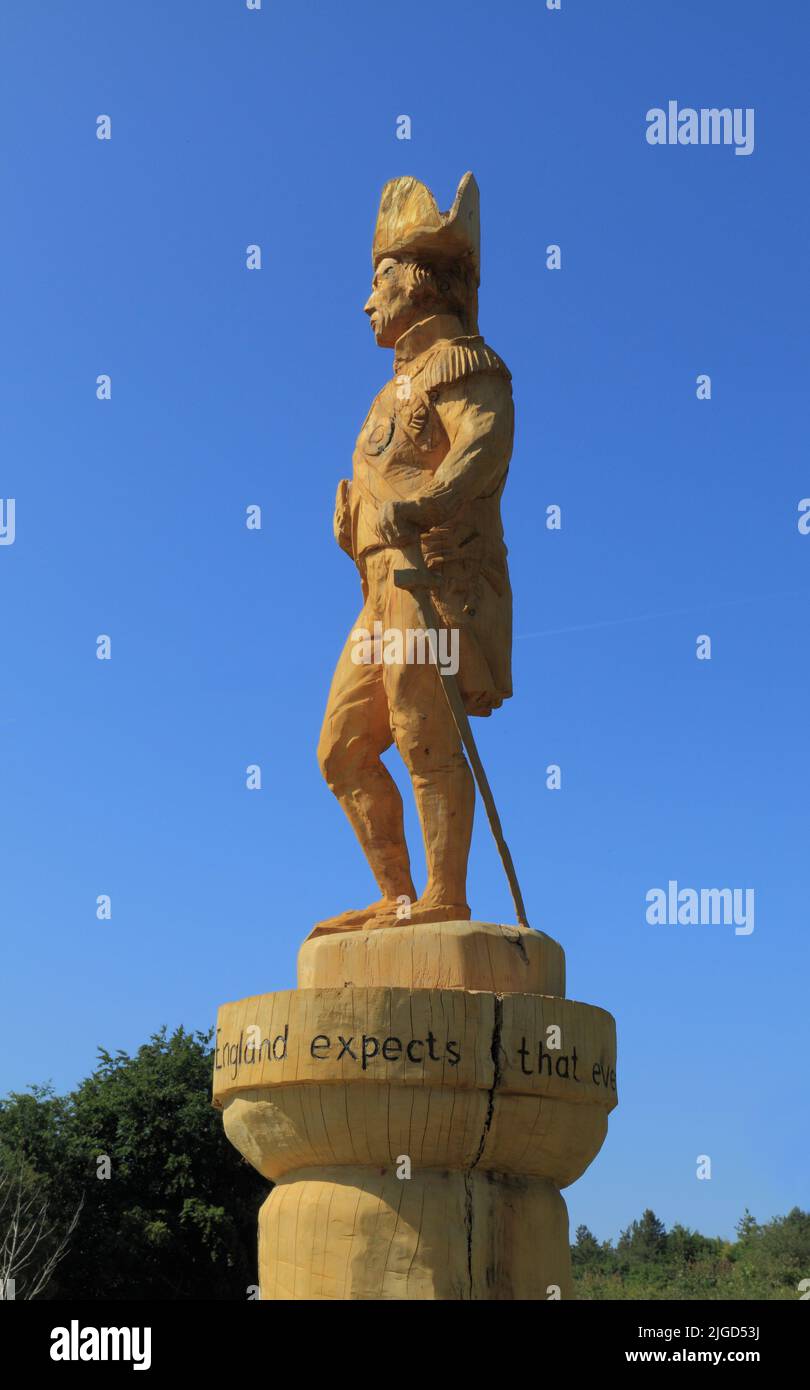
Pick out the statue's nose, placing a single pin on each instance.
(368, 307)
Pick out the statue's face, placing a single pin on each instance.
(389, 306)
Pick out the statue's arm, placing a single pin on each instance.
(478, 417)
(342, 520)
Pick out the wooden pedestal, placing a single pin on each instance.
(418, 1101)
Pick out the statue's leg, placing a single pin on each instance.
(429, 744)
(355, 732)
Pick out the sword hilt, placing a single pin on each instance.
(415, 579)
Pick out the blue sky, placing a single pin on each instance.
(231, 388)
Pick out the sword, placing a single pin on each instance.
(419, 581)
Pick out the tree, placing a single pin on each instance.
(783, 1248)
(169, 1207)
(685, 1246)
(644, 1240)
(31, 1246)
(587, 1250)
(747, 1226)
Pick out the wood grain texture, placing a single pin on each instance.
(441, 1235)
(446, 955)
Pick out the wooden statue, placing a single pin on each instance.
(424, 1094)
(429, 468)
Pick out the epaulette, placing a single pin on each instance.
(452, 361)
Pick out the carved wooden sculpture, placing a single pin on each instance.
(427, 1090)
(429, 468)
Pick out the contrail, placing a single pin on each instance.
(652, 617)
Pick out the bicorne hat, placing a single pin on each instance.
(409, 221)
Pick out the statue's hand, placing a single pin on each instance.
(342, 522)
(396, 523)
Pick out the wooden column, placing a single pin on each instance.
(419, 1101)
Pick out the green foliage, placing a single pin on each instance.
(176, 1218)
(766, 1261)
(587, 1249)
(645, 1240)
